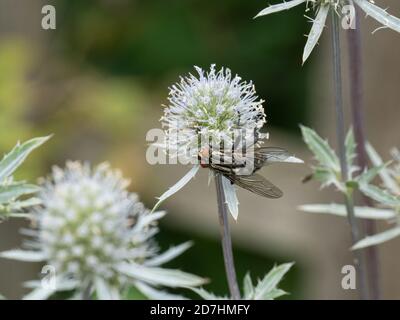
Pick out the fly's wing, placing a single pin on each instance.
(256, 184)
(225, 169)
(271, 154)
(263, 156)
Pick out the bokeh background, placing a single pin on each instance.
(98, 81)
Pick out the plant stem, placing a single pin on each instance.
(226, 239)
(357, 111)
(340, 131)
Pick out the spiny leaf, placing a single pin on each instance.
(377, 238)
(16, 157)
(177, 186)
(207, 295)
(248, 287)
(379, 14)
(316, 31)
(350, 144)
(377, 161)
(23, 255)
(340, 210)
(14, 191)
(279, 7)
(168, 255)
(368, 175)
(380, 195)
(160, 276)
(321, 149)
(271, 280)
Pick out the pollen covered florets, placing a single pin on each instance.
(213, 103)
(87, 222)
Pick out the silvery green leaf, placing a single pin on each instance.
(380, 195)
(377, 238)
(230, 197)
(270, 281)
(14, 159)
(13, 191)
(40, 293)
(340, 210)
(178, 186)
(18, 205)
(62, 284)
(368, 175)
(2, 297)
(156, 294)
(279, 7)
(316, 31)
(23, 255)
(321, 149)
(32, 284)
(207, 295)
(377, 161)
(248, 287)
(379, 15)
(350, 145)
(275, 293)
(327, 177)
(19, 215)
(159, 276)
(168, 255)
(104, 291)
(148, 219)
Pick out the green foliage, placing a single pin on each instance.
(10, 191)
(266, 288)
(377, 238)
(387, 197)
(328, 169)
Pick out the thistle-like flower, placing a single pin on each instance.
(213, 105)
(214, 121)
(98, 238)
(322, 7)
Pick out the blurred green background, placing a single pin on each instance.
(98, 81)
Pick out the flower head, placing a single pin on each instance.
(214, 121)
(97, 235)
(322, 8)
(212, 104)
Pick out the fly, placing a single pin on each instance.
(253, 182)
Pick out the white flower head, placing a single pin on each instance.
(322, 8)
(213, 121)
(212, 104)
(99, 236)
